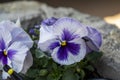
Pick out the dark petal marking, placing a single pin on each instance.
(2, 44)
(4, 60)
(67, 35)
(1, 55)
(54, 45)
(11, 53)
(62, 53)
(73, 48)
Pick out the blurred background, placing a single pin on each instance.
(100, 8)
(107, 9)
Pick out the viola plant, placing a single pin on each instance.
(64, 49)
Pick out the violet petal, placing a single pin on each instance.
(62, 53)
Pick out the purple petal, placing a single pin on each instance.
(90, 44)
(67, 35)
(4, 60)
(73, 48)
(93, 40)
(1, 55)
(95, 36)
(54, 45)
(88, 50)
(49, 22)
(32, 31)
(62, 53)
(11, 53)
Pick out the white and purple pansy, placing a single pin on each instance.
(93, 40)
(12, 54)
(65, 41)
(14, 46)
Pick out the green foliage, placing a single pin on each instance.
(70, 75)
(94, 56)
(39, 54)
(44, 68)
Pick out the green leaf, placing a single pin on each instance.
(82, 74)
(90, 68)
(43, 72)
(53, 76)
(33, 73)
(39, 54)
(82, 64)
(37, 31)
(70, 75)
(40, 78)
(54, 65)
(94, 56)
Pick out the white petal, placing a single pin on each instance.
(71, 58)
(27, 63)
(7, 25)
(5, 75)
(18, 23)
(18, 59)
(45, 45)
(6, 36)
(18, 34)
(45, 35)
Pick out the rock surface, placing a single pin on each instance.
(31, 13)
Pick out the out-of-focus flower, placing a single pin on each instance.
(93, 39)
(12, 54)
(15, 43)
(63, 39)
(32, 32)
(49, 21)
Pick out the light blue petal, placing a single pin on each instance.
(18, 34)
(18, 58)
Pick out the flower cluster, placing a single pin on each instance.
(67, 40)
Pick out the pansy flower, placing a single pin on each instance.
(14, 46)
(93, 40)
(63, 39)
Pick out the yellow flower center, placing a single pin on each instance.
(5, 52)
(10, 71)
(63, 43)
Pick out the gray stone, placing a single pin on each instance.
(32, 13)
